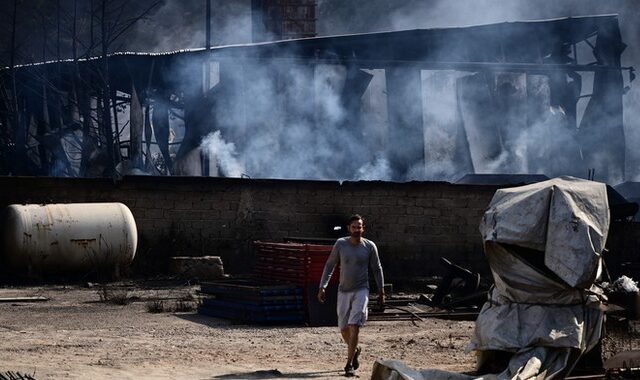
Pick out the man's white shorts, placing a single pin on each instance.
(352, 307)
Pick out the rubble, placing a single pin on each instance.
(201, 267)
(622, 284)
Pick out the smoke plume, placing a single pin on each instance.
(286, 119)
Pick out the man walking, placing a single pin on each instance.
(355, 255)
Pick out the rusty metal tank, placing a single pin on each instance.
(68, 238)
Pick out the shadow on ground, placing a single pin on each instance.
(216, 322)
(205, 320)
(275, 374)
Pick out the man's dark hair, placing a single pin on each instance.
(355, 217)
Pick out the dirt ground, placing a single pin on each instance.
(76, 335)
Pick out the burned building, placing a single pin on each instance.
(521, 97)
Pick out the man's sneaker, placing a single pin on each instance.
(356, 363)
(349, 371)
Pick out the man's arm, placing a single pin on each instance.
(327, 272)
(376, 268)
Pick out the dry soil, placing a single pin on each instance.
(76, 335)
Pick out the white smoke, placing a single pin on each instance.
(377, 170)
(287, 119)
(223, 154)
(536, 148)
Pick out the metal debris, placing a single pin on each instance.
(23, 299)
(459, 287)
(626, 360)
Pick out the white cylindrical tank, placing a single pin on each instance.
(69, 238)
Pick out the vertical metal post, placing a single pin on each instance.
(208, 25)
(206, 67)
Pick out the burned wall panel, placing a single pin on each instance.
(601, 130)
(481, 121)
(406, 139)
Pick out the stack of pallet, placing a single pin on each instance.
(250, 301)
(300, 264)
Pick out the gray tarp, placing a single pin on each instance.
(566, 219)
(543, 243)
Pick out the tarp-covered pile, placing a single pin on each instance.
(543, 243)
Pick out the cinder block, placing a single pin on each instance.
(183, 205)
(407, 201)
(153, 213)
(431, 212)
(146, 203)
(410, 210)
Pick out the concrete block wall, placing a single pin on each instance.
(414, 224)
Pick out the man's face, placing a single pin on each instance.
(356, 228)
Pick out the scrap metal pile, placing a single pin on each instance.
(458, 295)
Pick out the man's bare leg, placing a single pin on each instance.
(354, 331)
(345, 335)
(350, 337)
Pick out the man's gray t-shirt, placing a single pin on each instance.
(354, 261)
